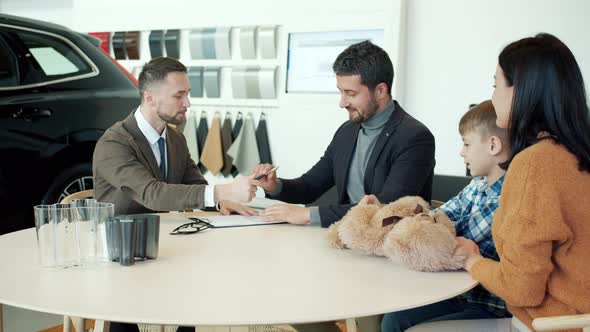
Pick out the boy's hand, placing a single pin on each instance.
(442, 218)
(369, 200)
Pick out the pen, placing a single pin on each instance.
(274, 169)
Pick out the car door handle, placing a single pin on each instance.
(31, 113)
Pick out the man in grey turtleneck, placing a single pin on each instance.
(381, 150)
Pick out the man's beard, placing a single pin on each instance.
(171, 120)
(371, 110)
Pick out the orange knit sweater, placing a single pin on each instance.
(542, 233)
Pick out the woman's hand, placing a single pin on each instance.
(472, 250)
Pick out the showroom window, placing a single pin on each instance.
(49, 58)
(8, 67)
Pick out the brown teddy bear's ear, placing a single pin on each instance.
(418, 209)
(390, 220)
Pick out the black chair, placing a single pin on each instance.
(445, 187)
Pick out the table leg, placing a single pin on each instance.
(67, 324)
(351, 325)
(101, 326)
(78, 323)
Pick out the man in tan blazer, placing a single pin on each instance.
(142, 163)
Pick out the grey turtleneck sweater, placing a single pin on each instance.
(365, 142)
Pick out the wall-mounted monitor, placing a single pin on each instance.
(311, 55)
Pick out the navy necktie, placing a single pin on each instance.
(162, 147)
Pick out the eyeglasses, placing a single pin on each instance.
(195, 226)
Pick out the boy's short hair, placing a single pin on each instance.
(481, 119)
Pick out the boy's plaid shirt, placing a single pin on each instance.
(472, 211)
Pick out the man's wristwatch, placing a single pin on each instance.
(218, 205)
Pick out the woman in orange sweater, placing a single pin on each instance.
(542, 226)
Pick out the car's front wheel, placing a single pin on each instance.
(69, 181)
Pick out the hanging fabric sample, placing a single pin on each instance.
(237, 127)
(234, 135)
(195, 78)
(190, 134)
(254, 83)
(248, 42)
(132, 44)
(226, 142)
(211, 77)
(119, 45)
(263, 142)
(212, 156)
(210, 43)
(202, 131)
(172, 43)
(156, 41)
(267, 39)
(244, 150)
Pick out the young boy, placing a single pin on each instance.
(484, 147)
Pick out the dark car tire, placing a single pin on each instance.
(69, 181)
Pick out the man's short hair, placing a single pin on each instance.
(369, 61)
(481, 119)
(156, 70)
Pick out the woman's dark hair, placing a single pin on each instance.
(549, 96)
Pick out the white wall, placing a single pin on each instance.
(452, 50)
(302, 125)
(447, 61)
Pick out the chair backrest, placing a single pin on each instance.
(436, 204)
(445, 187)
(556, 323)
(79, 195)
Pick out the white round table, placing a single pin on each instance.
(268, 274)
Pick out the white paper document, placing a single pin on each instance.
(263, 203)
(238, 221)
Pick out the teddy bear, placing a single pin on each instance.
(403, 230)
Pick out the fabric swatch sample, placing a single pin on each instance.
(119, 45)
(267, 39)
(156, 40)
(226, 142)
(190, 134)
(212, 76)
(195, 78)
(212, 156)
(172, 43)
(263, 142)
(248, 42)
(132, 44)
(244, 150)
(237, 127)
(202, 131)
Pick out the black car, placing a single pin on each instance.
(59, 92)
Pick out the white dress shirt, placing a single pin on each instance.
(152, 136)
